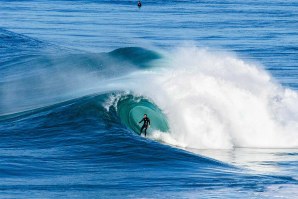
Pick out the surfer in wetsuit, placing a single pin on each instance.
(146, 123)
(139, 4)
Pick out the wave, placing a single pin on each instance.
(92, 122)
(196, 98)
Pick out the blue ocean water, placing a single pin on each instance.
(218, 80)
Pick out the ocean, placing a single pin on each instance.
(218, 80)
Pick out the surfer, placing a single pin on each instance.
(146, 123)
(139, 4)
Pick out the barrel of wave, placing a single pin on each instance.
(131, 110)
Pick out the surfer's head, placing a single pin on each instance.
(145, 115)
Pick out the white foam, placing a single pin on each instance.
(163, 137)
(216, 100)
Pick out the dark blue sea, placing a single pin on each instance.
(218, 80)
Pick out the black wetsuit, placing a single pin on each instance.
(145, 125)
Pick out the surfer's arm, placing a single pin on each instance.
(149, 122)
(141, 121)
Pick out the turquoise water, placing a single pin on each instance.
(131, 111)
(218, 79)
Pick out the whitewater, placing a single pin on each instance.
(216, 100)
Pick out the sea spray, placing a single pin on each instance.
(216, 100)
